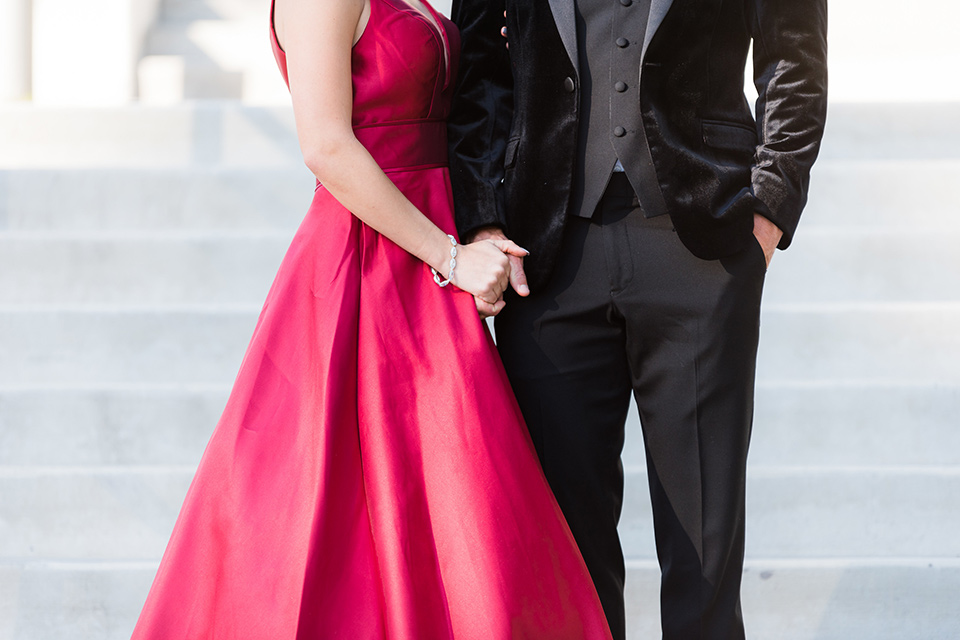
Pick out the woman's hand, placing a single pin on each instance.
(483, 270)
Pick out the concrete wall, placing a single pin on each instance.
(884, 51)
(85, 53)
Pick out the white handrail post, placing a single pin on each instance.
(15, 45)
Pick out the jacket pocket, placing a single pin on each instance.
(729, 135)
(510, 157)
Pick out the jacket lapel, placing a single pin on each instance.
(563, 15)
(658, 11)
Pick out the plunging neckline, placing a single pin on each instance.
(435, 23)
(429, 15)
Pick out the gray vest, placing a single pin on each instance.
(610, 36)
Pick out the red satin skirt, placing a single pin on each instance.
(371, 476)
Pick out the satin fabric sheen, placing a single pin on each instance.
(371, 476)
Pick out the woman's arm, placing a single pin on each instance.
(318, 36)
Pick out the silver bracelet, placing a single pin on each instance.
(453, 264)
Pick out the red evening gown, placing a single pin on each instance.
(371, 477)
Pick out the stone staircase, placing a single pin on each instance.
(137, 244)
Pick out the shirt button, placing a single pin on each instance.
(620, 87)
(568, 85)
(626, 3)
(619, 132)
(622, 42)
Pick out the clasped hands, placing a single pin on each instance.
(490, 301)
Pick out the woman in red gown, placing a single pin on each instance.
(371, 477)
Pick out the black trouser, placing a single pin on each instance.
(630, 308)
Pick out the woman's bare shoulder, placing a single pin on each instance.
(328, 13)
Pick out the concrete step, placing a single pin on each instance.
(828, 600)
(186, 197)
(857, 512)
(892, 343)
(892, 131)
(71, 601)
(139, 269)
(107, 426)
(221, 267)
(190, 10)
(865, 194)
(170, 79)
(826, 265)
(230, 45)
(856, 425)
(113, 513)
(856, 196)
(127, 513)
(896, 343)
(209, 133)
(843, 425)
(228, 132)
(210, 49)
(795, 426)
(215, 59)
(97, 347)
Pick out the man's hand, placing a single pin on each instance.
(767, 234)
(518, 279)
(503, 32)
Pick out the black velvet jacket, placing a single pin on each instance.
(513, 128)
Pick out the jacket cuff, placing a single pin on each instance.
(479, 207)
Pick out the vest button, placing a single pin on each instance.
(569, 85)
(622, 42)
(620, 87)
(626, 3)
(619, 132)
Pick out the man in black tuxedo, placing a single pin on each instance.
(613, 140)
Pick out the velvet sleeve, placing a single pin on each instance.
(481, 115)
(790, 73)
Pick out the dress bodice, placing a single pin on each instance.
(404, 67)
